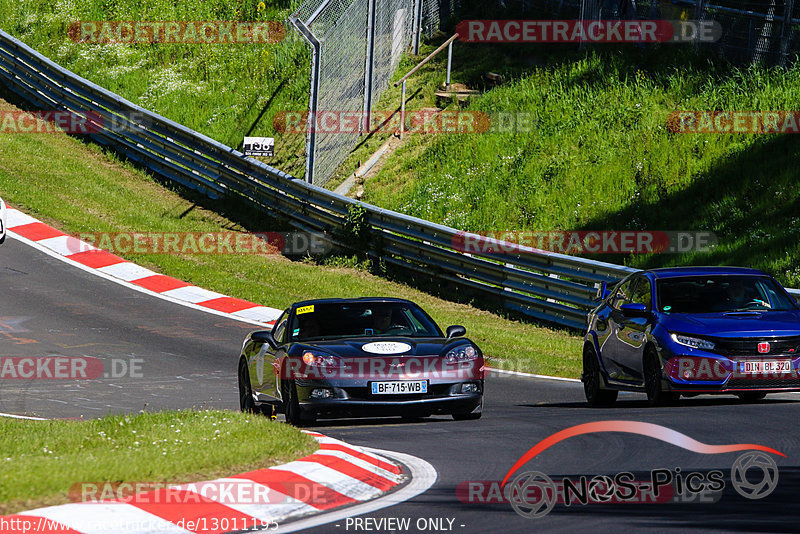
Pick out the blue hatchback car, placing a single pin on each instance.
(689, 331)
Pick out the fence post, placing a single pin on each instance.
(590, 10)
(402, 109)
(417, 26)
(786, 29)
(313, 98)
(699, 9)
(369, 67)
(449, 63)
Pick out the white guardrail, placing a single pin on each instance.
(552, 287)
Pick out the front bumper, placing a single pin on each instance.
(705, 372)
(358, 401)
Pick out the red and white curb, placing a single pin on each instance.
(90, 258)
(336, 475)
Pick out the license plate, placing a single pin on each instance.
(400, 387)
(766, 366)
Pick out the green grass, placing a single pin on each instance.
(599, 155)
(224, 91)
(161, 447)
(78, 188)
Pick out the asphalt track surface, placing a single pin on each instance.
(186, 358)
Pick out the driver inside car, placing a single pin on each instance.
(309, 328)
(384, 322)
(739, 296)
(736, 294)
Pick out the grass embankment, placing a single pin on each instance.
(599, 156)
(162, 447)
(225, 91)
(78, 188)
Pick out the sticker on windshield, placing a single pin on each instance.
(386, 347)
(305, 309)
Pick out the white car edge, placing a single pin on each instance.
(3, 219)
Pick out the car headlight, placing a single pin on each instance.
(320, 359)
(694, 342)
(464, 353)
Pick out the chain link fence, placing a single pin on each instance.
(754, 31)
(438, 14)
(356, 46)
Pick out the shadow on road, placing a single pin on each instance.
(378, 421)
(689, 403)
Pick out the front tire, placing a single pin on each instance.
(656, 394)
(751, 396)
(469, 416)
(246, 403)
(596, 396)
(466, 416)
(294, 415)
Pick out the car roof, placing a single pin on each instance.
(368, 300)
(673, 272)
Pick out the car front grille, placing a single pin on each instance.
(434, 390)
(778, 346)
(764, 383)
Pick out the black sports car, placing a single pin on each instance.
(360, 357)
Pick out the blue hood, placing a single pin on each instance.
(735, 325)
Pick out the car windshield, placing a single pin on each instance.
(325, 321)
(721, 294)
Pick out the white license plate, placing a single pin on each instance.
(766, 366)
(400, 387)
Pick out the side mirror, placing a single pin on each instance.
(455, 330)
(603, 291)
(264, 336)
(634, 309)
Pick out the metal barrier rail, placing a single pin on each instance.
(548, 286)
